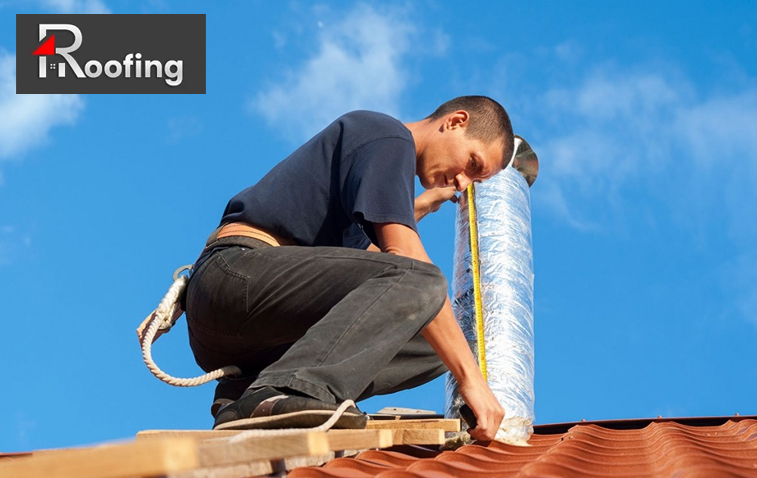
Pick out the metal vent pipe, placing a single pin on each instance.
(504, 285)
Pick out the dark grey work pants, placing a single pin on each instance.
(331, 323)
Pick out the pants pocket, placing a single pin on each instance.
(217, 298)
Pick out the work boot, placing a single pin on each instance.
(268, 407)
(229, 390)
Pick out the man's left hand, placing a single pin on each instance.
(432, 199)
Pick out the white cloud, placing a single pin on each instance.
(552, 196)
(741, 274)
(25, 120)
(569, 51)
(616, 129)
(75, 6)
(611, 126)
(12, 244)
(357, 65)
(24, 428)
(439, 43)
(182, 127)
(718, 136)
(647, 143)
(721, 127)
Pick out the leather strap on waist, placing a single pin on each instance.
(246, 230)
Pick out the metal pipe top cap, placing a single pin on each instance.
(525, 161)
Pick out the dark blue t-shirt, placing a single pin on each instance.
(358, 171)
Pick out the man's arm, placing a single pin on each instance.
(429, 201)
(444, 335)
(432, 199)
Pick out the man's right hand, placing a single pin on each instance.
(488, 411)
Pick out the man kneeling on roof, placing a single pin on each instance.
(317, 285)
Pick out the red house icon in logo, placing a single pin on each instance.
(47, 48)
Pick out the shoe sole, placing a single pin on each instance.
(301, 419)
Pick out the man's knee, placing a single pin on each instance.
(433, 284)
(436, 280)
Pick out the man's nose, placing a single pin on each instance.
(462, 181)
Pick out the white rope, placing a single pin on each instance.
(247, 434)
(162, 319)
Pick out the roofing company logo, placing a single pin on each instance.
(102, 54)
(93, 68)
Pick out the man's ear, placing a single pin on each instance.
(458, 119)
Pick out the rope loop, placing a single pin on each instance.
(164, 317)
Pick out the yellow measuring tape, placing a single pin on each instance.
(476, 282)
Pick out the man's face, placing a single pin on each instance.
(452, 158)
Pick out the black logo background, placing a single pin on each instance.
(112, 37)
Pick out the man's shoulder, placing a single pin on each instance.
(374, 124)
(367, 115)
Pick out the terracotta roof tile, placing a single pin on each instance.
(713, 447)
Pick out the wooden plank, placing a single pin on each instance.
(177, 453)
(418, 437)
(221, 452)
(196, 434)
(400, 413)
(10, 456)
(446, 424)
(243, 470)
(359, 439)
(256, 468)
(337, 439)
(126, 460)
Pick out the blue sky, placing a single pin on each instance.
(644, 116)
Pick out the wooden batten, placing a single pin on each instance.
(337, 440)
(222, 452)
(446, 424)
(126, 460)
(212, 454)
(418, 437)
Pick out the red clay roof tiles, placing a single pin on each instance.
(716, 448)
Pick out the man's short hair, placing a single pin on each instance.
(488, 121)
